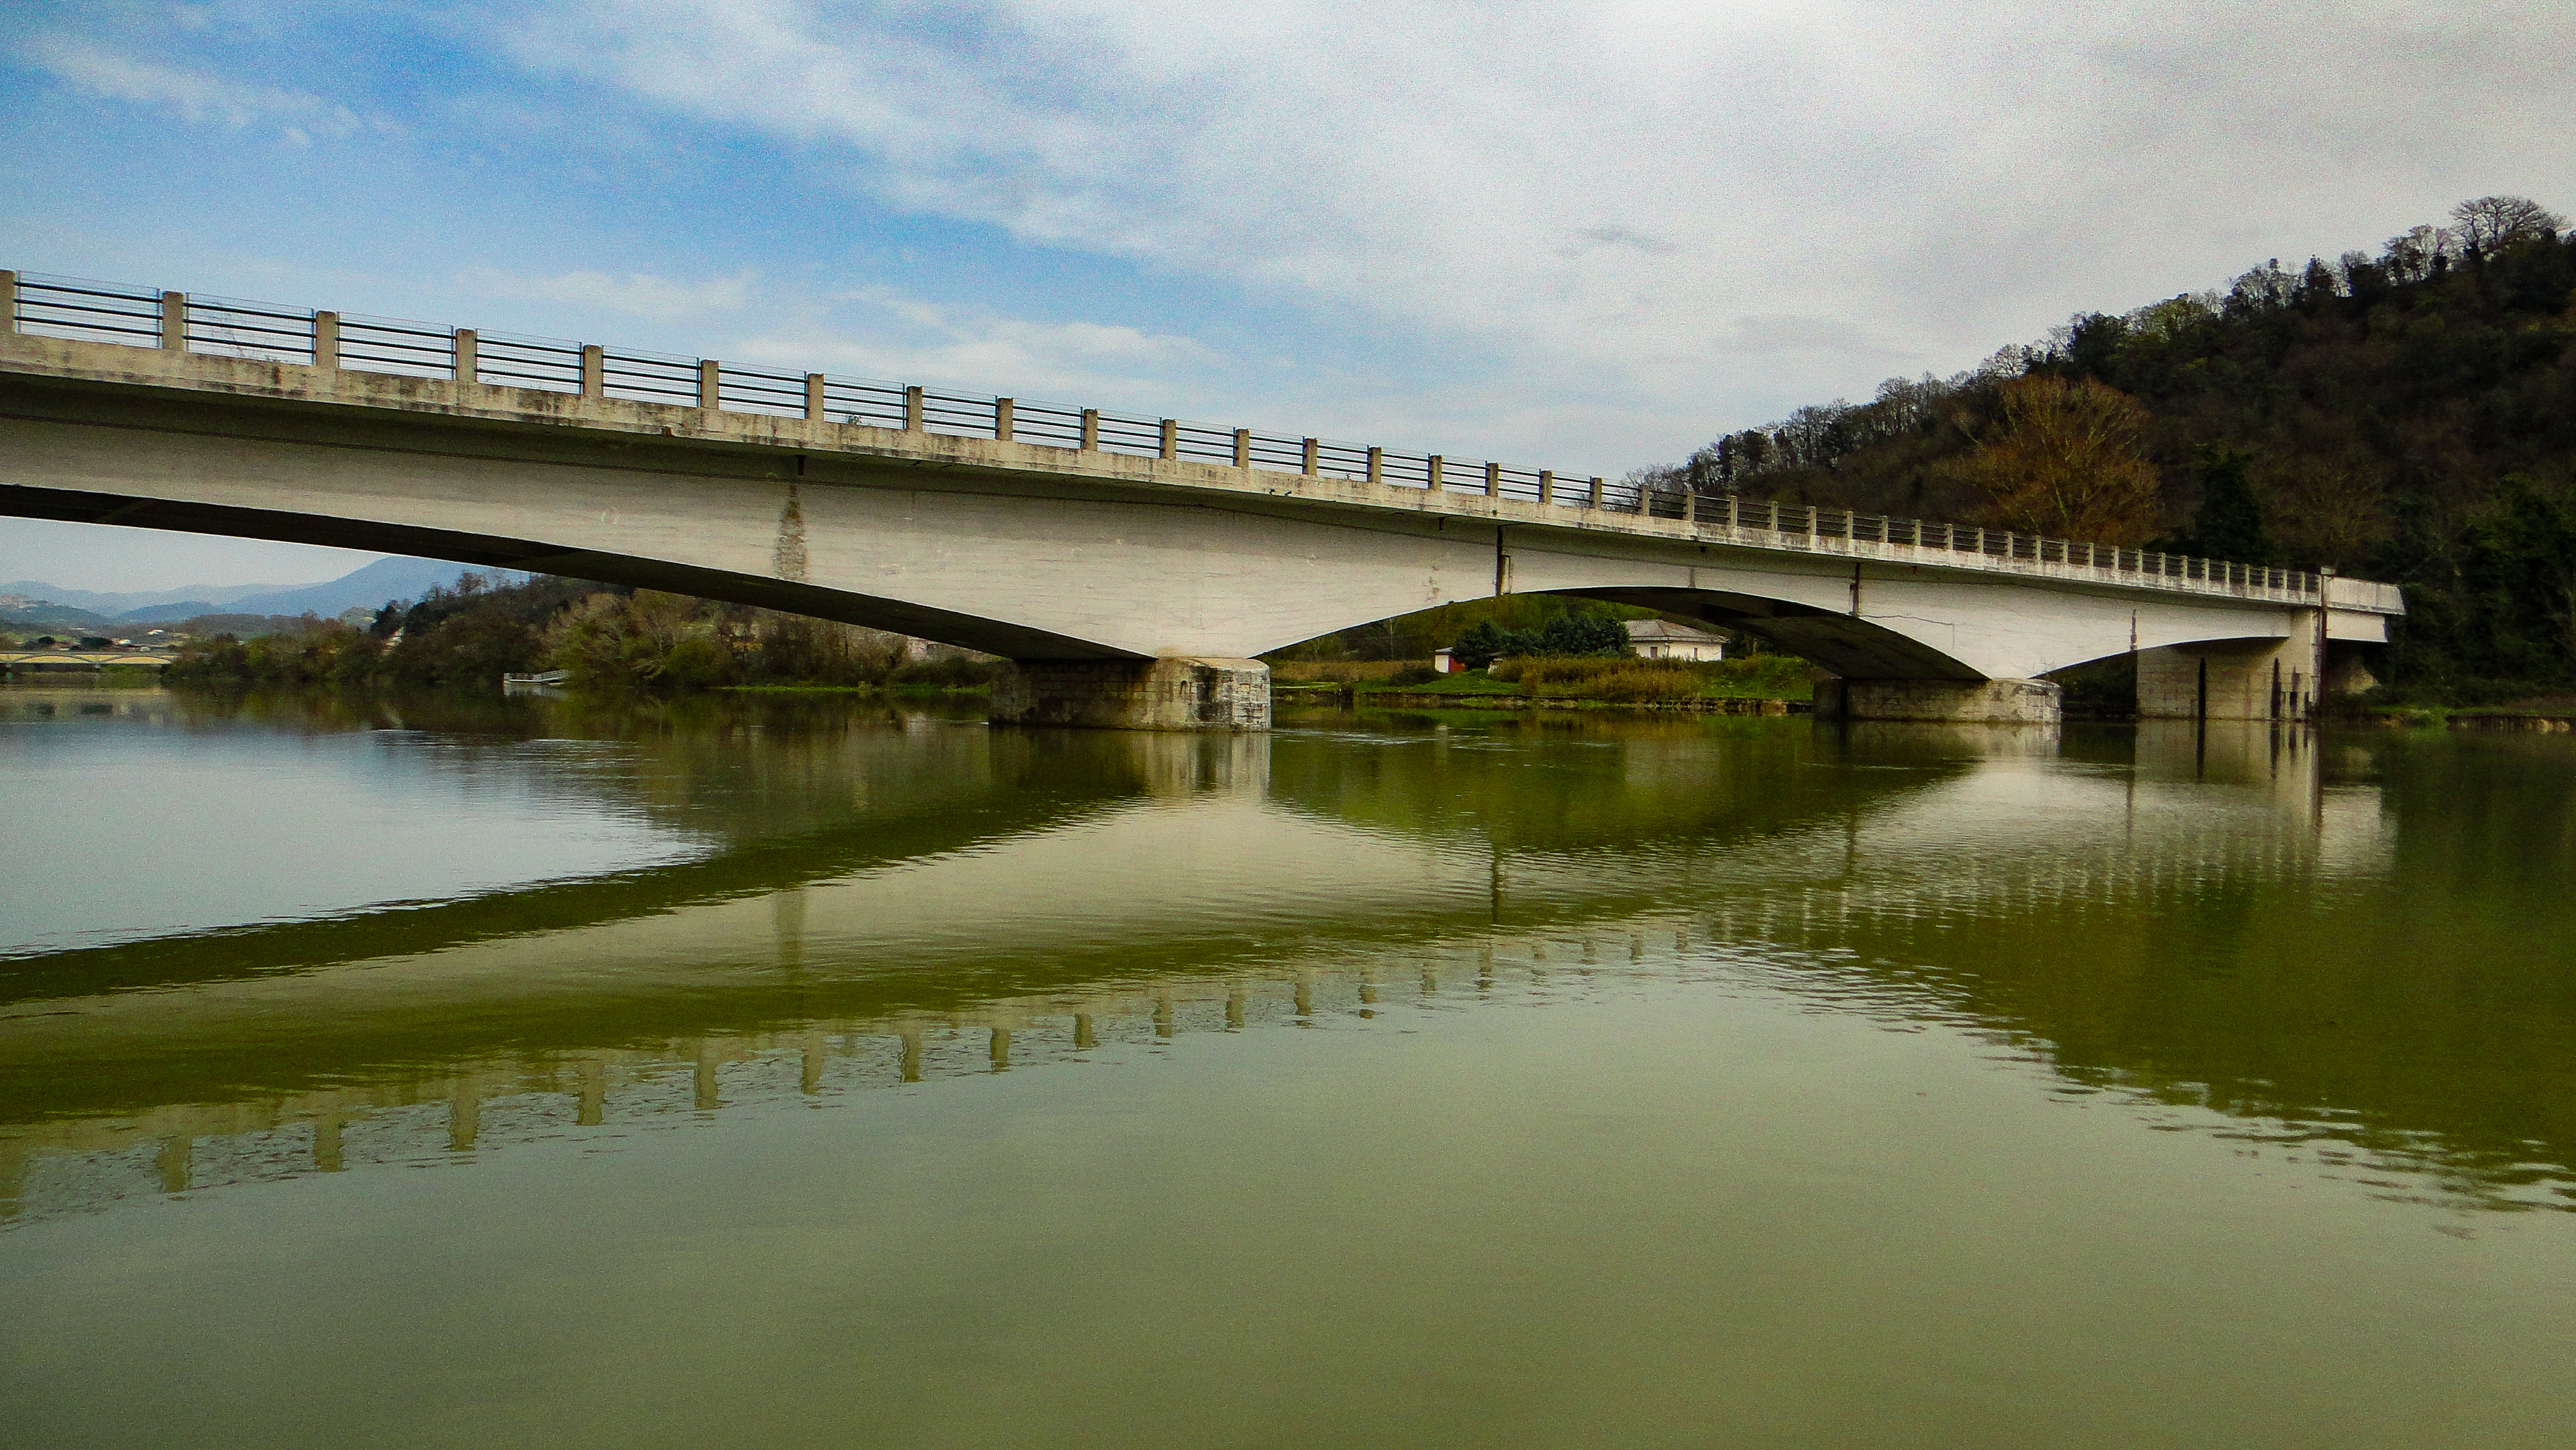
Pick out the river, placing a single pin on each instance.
(798, 1070)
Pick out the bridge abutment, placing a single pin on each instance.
(2233, 679)
(1959, 702)
(1130, 694)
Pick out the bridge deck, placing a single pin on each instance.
(97, 334)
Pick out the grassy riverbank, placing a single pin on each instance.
(1622, 680)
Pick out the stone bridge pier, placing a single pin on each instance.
(2230, 679)
(1159, 694)
(1956, 702)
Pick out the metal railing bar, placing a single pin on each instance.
(25, 303)
(26, 321)
(83, 287)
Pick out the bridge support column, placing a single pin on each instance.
(2231, 679)
(1162, 694)
(1959, 702)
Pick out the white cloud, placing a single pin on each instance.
(1643, 195)
(297, 116)
(636, 294)
(907, 339)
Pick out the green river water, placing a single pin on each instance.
(795, 1071)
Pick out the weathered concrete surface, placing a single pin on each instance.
(2234, 679)
(1159, 694)
(1959, 702)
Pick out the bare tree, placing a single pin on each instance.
(2068, 458)
(2411, 253)
(2491, 221)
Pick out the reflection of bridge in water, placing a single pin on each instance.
(1099, 890)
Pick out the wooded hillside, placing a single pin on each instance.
(2408, 415)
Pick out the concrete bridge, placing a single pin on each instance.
(1132, 567)
(12, 660)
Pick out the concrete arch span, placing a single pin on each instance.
(1134, 590)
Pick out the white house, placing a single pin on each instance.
(1658, 639)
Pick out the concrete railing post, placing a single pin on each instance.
(1690, 507)
(1243, 448)
(1377, 465)
(326, 341)
(1493, 480)
(1312, 448)
(1171, 438)
(1431, 471)
(8, 301)
(594, 372)
(466, 361)
(710, 384)
(813, 397)
(1001, 420)
(1091, 430)
(174, 321)
(1592, 500)
(912, 410)
(1546, 486)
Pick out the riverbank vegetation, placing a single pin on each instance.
(1527, 618)
(604, 638)
(1620, 679)
(2407, 415)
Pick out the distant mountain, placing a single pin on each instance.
(366, 587)
(23, 614)
(112, 602)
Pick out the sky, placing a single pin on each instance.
(1588, 236)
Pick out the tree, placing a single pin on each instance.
(2491, 221)
(1583, 634)
(2066, 459)
(2229, 524)
(1480, 645)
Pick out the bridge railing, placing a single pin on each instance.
(88, 311)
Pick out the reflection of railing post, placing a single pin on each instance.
(174, 321)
